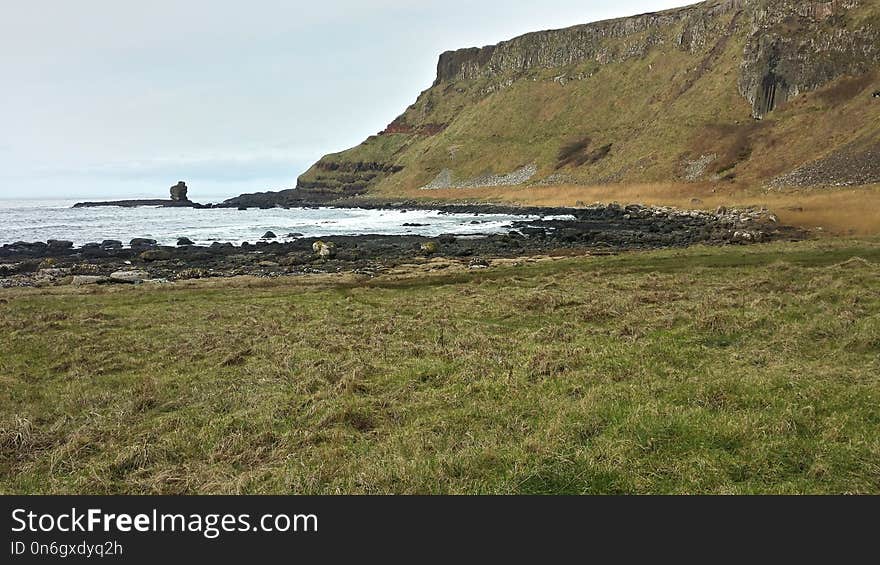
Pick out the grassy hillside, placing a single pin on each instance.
(661, 103)
(707, 370)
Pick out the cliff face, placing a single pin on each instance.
(726, 90)
(792, 47)
(796, 47)
(611, 41)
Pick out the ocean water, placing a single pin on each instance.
(41, 220)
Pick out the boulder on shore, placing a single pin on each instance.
(324, 249)
(56, 244)
(130, 276)
(142, 242)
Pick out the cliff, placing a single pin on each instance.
(750, 92)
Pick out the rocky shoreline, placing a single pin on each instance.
(598, 229)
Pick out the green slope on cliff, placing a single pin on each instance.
(742, 92)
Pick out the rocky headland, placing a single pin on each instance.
(743, 93)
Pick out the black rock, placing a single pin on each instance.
(169, 203)
(294, 234)
(570, 236)
(93, 252)
(111, 244)
(184, 241)
(178, 192)
(91, 246)
(142, 242)
(269, 235)
(533, 232)
(59, 244)
(37, 246)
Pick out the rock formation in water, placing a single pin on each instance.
(139, 203)
(178, 192)
(179, 199)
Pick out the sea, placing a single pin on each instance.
(42, 220)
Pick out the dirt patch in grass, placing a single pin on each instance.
(577, 153)
(846, 89)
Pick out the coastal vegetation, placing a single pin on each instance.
(735, 369)
(831, 210)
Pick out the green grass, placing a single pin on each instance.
(709, 370)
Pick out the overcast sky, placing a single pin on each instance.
(116, 98)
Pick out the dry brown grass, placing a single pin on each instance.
(837, 211)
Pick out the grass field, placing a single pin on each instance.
(708, 370)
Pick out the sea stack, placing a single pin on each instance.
(178, 192)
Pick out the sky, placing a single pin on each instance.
(121, 99)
